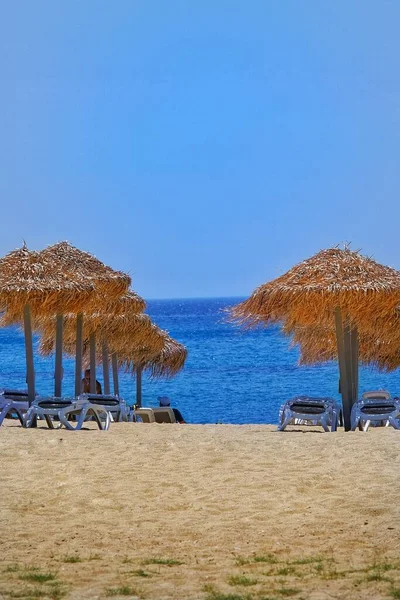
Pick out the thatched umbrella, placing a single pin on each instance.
(131, 356)
(334, 286)
(100, 329)
(109, 285)
(31, 282)
(167, 363)
(318, 344)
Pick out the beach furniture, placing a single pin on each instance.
(306, 410)
(164, 415)
(376, 408)
(145, 415)
(115, 405)
(13, 403)
(58, 412)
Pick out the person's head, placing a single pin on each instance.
(164, 401)
(87, 374)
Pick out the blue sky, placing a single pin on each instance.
(205, 146)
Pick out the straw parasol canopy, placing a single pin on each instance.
(167, 363)
(30, 282)
(109, 284)
(335, 288)
(318, 344)
(29, 278)
(365, 291)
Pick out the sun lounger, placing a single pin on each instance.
(116, 406)
(305, 410)
(144, 415)
(375, 408)
(57, 412)
(164, 415)
(13, 404)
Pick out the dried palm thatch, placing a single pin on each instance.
(334, 287)
(127, 304)
(166, 364)
(131, 355)
(29, 278)
(109, 284)
(117, 331)
(365, 291)
(318, 344)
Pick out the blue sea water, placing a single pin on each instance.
(230, 376)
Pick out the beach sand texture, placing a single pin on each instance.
(216, 512)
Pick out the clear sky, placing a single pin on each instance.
(205, 146)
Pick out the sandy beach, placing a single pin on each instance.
(199, 512)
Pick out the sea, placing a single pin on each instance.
(230, 376)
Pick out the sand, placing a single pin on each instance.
(199, 512)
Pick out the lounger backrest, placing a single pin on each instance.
(145, 414)
(164, 415)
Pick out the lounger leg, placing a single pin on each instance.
(285, 423)
(96, 417)
(3, 413)
(29, 416)
(49, 422)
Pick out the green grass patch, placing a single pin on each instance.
(140, 573)
(125, 590)
(12, 569)
(94, 557)
(162, 561)
(309, 560)
(286, 571)
(395, 593)
(241, 580)
(270, 559)
(28, 593)
(218, 596)
(288, 592)
(37, 576)
(74, 558)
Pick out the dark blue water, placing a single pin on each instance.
(230, 376)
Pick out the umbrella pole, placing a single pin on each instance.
(354, 353)
(344, 368)
(30, 371)
(78, 352)
(92, 343)
(115, 373)
(106, 372)
(59, 349)
(139, 387)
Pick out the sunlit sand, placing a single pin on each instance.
(199, 512)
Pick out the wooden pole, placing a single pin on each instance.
(106, 372)
(59, 351)
(355, 361)
(30, 371)
(345, 376)
(139, 387)
(92, 343)
(115, 373)
(78, 354)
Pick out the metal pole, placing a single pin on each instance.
(139, 386)
(78, 354)
(115, 373)
(92, 342)
(30, 371)
(343, 369)
(59, 350)
(106, 372)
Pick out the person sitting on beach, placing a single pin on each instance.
(166, 403)
(86, 384)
